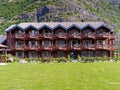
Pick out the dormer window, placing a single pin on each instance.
(33, 32)
(85, 32)
(19, 33)
(60, 32)
(100, 31)
(73, 31)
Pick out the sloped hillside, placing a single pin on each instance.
(16, 11)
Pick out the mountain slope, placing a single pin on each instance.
(16, 11)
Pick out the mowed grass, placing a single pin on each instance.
(60, 76)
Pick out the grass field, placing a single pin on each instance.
(60, 76)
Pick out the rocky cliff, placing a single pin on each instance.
(16, 11)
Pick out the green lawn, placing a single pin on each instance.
(60, 76)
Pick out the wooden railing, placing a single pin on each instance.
(32, 36)
(65, 47)
(60, 35)
(18, 36)
(32, 47)
(74, 35)
(105, 46)
(19, 47)
(88, 35)
(46, 35)
(104, 34)
(89, 46)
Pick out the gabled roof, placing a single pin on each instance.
(2, 39)
(2, 46)
(54, 25)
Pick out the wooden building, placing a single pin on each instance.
(58, 39)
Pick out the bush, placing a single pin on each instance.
(28, 59)
(116, 58)
(43, 60)
(15, 59)
(68, 57)
(62, 59)
(79, 58)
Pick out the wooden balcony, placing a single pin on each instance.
(17, 48)
(103, 47)
(18, 36)
(49, 47)
(74, 47)
(74, 36)
(112, 36)
(88, 47)
(46, 36)
(103, 35)
(60, 36)
(31, 47)
(89, 35)
(60, 47)
(113, 47)
(32, 36)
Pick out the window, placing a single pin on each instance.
(32, 54)
(46, 54)
(33, 43)
(19, 33)
(87, 53)
(33, 32)
(46, 43)
(60, 42)
(60, 54)
(100, 31)
(19, 44)
(20, 54)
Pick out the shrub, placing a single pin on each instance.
(61, 59)
(98, 59)
(68, 57)
(52, 59)
(84, 59)
(28, 59)
(79, 58)
(45, 60)
(108, 58)
(116, 58)
(15, 59)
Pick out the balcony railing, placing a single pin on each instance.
(74, 47)
(19, 36)
(104, 34)
(105, 46)
(60, 35)
(32, 47)
(60, 47)
(89, 46)
(112, 36)
(46, 35)
(46, 47)
(32, 36)
(74, 35)
(88, 35)
(19, 47)
(114, 47)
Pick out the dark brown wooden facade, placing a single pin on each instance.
(59, 42)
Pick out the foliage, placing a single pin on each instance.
(13, 8)
(116, 58)
(68, 57)
(15, 59)
(61, 59)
